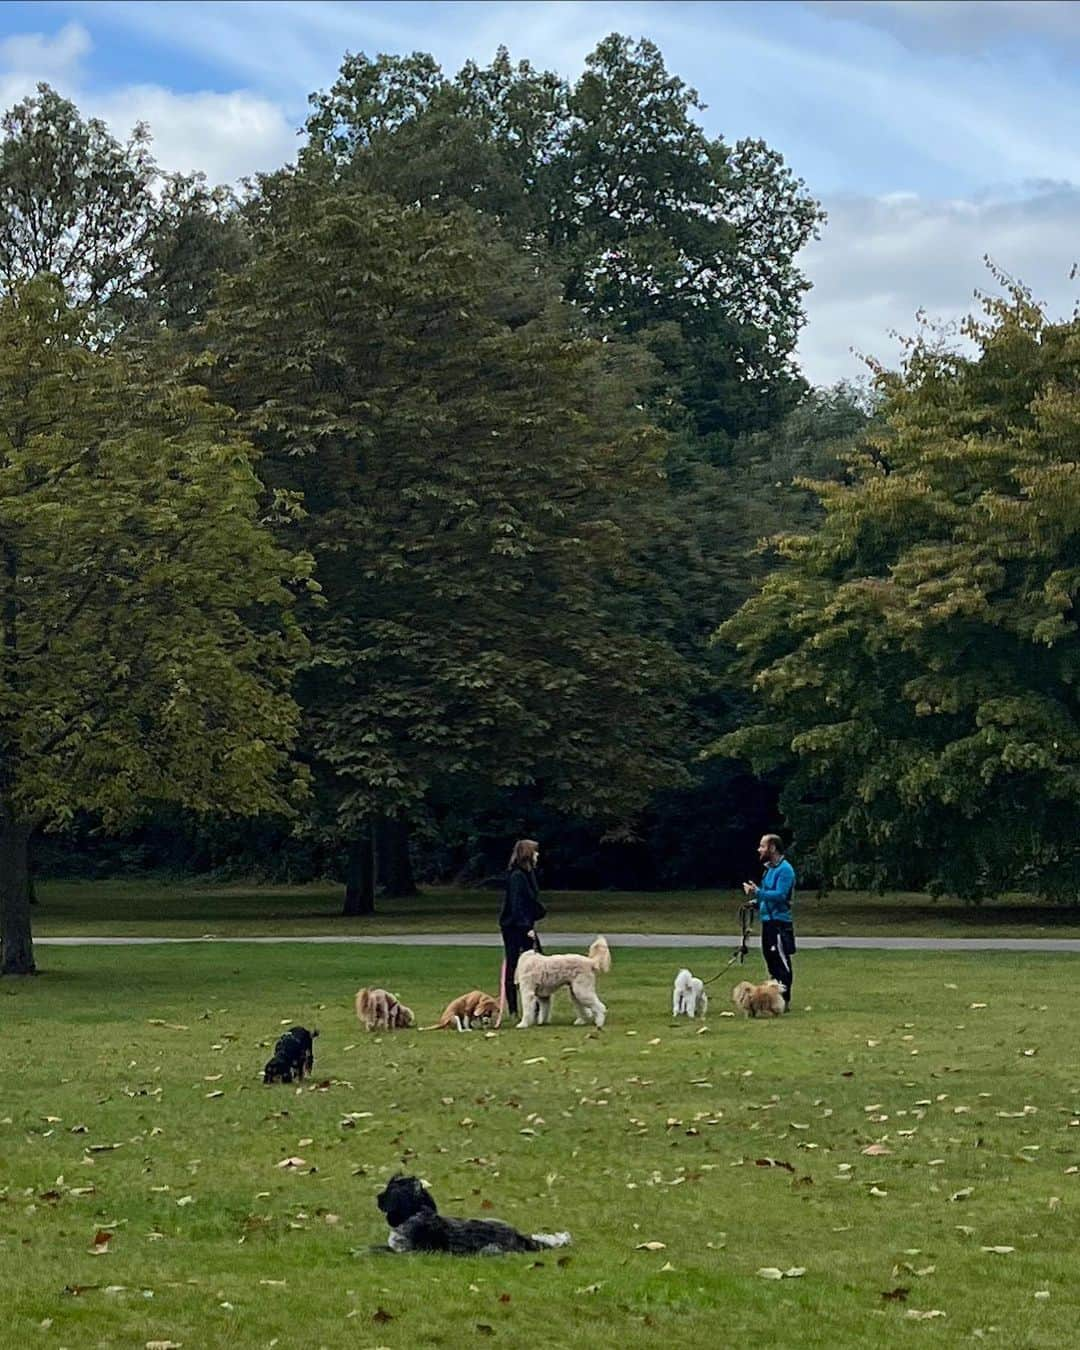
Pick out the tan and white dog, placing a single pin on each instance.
(537, 978)
(380, 1010)
(759, 1000)
(470, 1010)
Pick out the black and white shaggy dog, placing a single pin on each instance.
(293, 1056)
(417, 1226)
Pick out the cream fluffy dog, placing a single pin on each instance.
(380, 1010)
(759, 1000)
(688, 995)
(537, 977)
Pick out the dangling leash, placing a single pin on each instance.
(746, 919)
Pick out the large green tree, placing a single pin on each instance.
(916, 657)
(466, 461)
(656, 228)
(147, 641)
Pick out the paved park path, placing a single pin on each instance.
(555, 941)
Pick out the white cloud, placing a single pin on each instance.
(226, 135)
(883, 259)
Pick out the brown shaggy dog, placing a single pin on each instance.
(468, 1011)
(382, 1011)
(537, 978)
(759, 1000)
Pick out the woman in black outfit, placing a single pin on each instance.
(521, 912)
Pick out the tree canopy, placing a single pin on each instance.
(148, 636)
(466, 461)
(916, 657)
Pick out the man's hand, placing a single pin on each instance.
(531, 934)
(749, 888)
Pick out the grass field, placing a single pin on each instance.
(127, 908)
(143, 1198)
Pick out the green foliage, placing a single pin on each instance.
(125, 241)
(916, 658)
(654, 228)
(148, 639)
(462, 455)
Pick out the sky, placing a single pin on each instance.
(936, 133)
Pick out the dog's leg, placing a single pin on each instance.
(703, 1003)
(599, 1011)
(528, 1007)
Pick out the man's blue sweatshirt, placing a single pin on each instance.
(775, 892)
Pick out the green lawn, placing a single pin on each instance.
(133, 1106)
(188, 910)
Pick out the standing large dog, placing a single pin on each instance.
(538, 977)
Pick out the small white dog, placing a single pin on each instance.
(688, 996)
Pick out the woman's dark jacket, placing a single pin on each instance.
(521, 904)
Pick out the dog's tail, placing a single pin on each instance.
(600, 955)
(363, 1002)
(551, 1239)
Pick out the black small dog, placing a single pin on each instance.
(293, 1056)
(417, 1226)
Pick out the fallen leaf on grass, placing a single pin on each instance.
(1041, 1293)
(102, 1238)
(485, 1329)
(1001, 1251)
(217, 1093)
(775, 1273)
(773, 1162)
(876, 1150)
(590, 1288)
(504, 1298)
(380, 1315)
(292, 1162)
(651, 1247)
(876, 1190)
(164, 1345)
(897, 1295)
(962, 1194)
(923, 1316)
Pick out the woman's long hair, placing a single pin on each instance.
(523, 854)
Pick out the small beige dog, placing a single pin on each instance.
(380, 1010)
(537, 977)
(472, 1009)
(759, 1000)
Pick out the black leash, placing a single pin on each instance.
(746, 919)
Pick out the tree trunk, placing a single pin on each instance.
(15, 932)
(394, 861)
(360, 874)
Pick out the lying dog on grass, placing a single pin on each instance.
(417, 1226)
(382, 1011)
(538, 977)
(688, 995)
(759, 1000)
(293, 1056)
(470, 1010)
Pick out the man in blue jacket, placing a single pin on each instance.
(773, 901)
